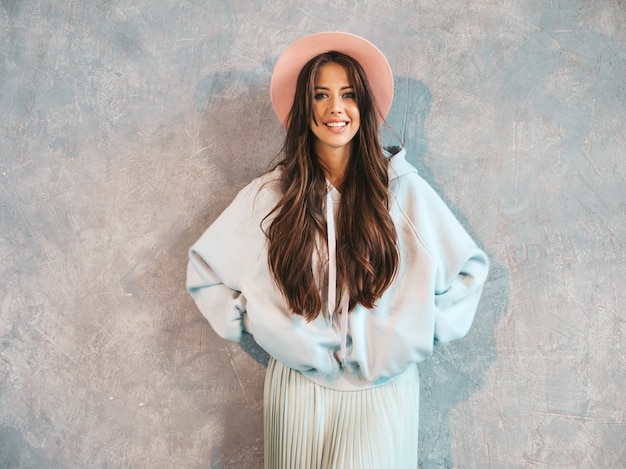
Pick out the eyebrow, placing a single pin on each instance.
(325, 88)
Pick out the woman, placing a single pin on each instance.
(344, 265)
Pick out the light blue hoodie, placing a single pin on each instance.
(433, 298)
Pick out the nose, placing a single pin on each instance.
(336, 106)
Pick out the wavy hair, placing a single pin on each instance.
(367, 251)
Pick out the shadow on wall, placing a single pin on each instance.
(239, 123)
(16, 452)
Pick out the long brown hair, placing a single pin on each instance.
(367, 252)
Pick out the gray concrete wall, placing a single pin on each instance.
(127, 126)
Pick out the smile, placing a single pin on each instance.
(336, 124)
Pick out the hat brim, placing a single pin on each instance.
(374, 63)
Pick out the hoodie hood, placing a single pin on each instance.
(398, 165)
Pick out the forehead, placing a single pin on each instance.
(332, 74)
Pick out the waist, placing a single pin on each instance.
(345, 379)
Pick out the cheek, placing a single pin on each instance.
(356, 114)
(354, 109)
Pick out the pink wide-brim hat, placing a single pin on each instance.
(374, 63)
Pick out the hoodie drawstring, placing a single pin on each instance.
(332, 276)
(344, 325)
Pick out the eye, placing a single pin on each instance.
(349, 95)
(318, 96)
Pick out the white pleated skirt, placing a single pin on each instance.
(308, 426)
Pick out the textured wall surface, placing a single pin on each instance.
(128, 125)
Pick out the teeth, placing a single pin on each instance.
(336, 124)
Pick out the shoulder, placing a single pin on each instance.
(267, 184)
(261, 195)
(416, 204)
(398, 165)
(405, 182)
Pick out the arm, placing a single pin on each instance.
(221, 258)
(222, 306)
(461, 272)
(459, 266)
(456, 305)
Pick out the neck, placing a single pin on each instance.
(334, 161)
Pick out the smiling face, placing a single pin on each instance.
(336, 118)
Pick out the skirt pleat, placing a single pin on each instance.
(308, 426)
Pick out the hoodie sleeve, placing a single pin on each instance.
(456, 305)
(222, 306)
(460, 267)
(219, 261)
(461, 271)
